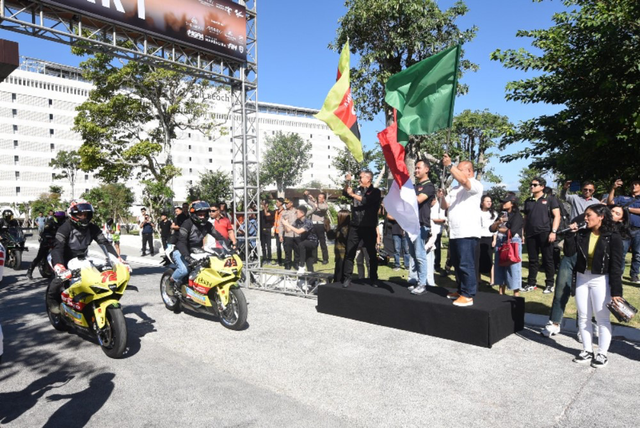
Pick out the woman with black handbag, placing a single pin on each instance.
(598, 277)
(509, 226)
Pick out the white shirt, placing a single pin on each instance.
(485, 222)
(464, 211)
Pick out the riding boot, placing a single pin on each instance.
(30, 272)
(54, 297)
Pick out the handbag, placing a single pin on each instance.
(623, 311)
(509, 252)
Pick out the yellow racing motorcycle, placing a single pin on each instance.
(212, 287)
(90, 303)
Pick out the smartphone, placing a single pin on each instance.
(574, 186)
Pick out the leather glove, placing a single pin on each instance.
(190, 260)
(62, 271)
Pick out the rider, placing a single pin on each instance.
(8, 221)
(72, 240)
(191, 235)
(47, 237)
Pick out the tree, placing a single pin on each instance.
(285, 158)
(48, 201)
(110, 201)
(69, 164)
(526, 175)
(213, 187)
(391, 35)
(497, 194)
(131, 118)
(344, 162)
(588, 65)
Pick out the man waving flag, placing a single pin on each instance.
(338, 111)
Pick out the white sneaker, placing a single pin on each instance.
(301, 270)
(550, 329)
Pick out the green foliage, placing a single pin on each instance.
(132, 117)
(46, 202)
(391, 35)
(497, 193)
(285, 158)
(110, 201)
(213, 187)
(68, 162)
(55, 189)
(588, 65)
(156, 196)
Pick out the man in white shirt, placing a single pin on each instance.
(463, 203)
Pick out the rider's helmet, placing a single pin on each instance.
(80, 206)
(7, 215)
(199, 212)
(59, 216)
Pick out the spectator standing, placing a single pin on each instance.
(306, 239)
(165, 229)
(340, 235)
(267, 219)
(277, 226)
(224, 211)
(319, 213)
(364, 220)
(598, 281)
(620, 217)
(487, 238)
(146, 230)
(113, 228)
(425, 192)
(632, 204)
(222, 224)
(287, 236)
(579, 203)
(542, 218)
(50, 215)
(510, 222)
(41, 220)
(400, 244)
(463, 205)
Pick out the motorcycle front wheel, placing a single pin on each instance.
(114, 338)
(45, 269)
(169, 298)
(234, 317)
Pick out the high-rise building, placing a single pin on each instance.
(37, 110)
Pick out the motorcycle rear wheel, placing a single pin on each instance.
(234, 317)
(171, 301)
(56, 319)
(45, 269)
(116, 337)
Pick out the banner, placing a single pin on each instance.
(216, 26)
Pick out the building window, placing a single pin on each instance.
(50, 118)
(13, 98)
(51, 132)
(189, 159)
(53, 176)
(14, 112)
(189, 134)
(210, 149)
(86, 177)
(15, 143)
(52, 146)
(16, 160)
(210, 160)
(17, 175)
(328, 138)
(15, 129)
(190, 170)
(17, 190)
(50, 102)
(310, 135)
(189, 146)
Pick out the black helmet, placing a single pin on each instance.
(80, 206)
(197, 208)
(7, 215)
(59, 216)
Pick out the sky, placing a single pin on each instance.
(296, 67)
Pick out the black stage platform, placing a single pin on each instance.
(491, 318)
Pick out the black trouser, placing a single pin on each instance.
(306, 249)
(43, 251)
(437, 253)
(290, 245)
(55, 289)
(265, 243)
(164, 240)
(278, 248)
(361, 259)
(147, 239)
(368, 235)
(540, 244)
(319, 229)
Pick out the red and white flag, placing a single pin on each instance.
(401, 201)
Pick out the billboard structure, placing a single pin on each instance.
(215, 26)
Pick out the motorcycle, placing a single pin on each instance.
(91, 304)
(44, 267)
(14, 244)
(212, 287)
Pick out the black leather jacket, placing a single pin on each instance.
(365, 213)
(607, 258)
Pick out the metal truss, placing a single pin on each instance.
(287, 282)
(50, 23)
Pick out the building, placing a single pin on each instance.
(37, 109)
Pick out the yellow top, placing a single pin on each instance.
(593, 240)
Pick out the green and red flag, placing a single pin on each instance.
(424, 94)
(338, 111)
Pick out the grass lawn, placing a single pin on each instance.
(535, 302)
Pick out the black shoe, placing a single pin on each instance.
(346, 283)
(325, 262)
(373, 282)
(30, 274)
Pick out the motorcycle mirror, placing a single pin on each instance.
(106, 254)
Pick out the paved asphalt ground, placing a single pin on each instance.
(293, 367)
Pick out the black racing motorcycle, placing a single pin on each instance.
(14, 240)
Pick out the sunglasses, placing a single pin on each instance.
(534, 184)
(588, 190)
(213, 211)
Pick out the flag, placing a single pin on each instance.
(424, 94)
(338, 111)
(401, 201)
